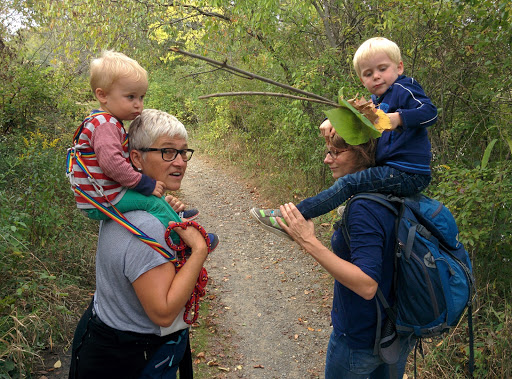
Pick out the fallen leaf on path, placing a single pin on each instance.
(212, 363)
(224, 369)
(259, 366)
(57, 364)
(201, 355)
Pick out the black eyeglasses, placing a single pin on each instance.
(334, 154)
(169, 154)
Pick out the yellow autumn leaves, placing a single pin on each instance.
(376, 116)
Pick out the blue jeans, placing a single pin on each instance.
(342, 362)
(382, 179)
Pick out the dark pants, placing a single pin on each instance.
(99, 351)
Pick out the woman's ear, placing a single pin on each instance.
(136, 159)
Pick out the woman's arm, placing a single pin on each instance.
(162, 292)
(348, 274)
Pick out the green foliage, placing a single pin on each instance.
(481, 201)
(39, 266)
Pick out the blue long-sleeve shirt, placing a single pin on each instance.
(407, 148)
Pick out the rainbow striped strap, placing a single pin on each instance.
(118, 217)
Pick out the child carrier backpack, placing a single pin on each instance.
(433, 282)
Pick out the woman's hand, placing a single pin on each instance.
(193, 239)
(300, 229)
(175, 203)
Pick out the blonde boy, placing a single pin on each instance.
(119, 84)
(403, 153)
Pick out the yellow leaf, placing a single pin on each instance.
(57, 364)
(382, 123)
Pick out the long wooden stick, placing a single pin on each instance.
(253, 93)
(250, 75)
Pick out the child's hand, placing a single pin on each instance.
(326, 129)
(395, 120)
(159, 189)
(176, 204)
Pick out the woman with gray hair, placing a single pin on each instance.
(135, 328)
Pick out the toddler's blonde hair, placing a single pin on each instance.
(110, 67)
(373, 46)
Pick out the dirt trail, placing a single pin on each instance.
(269, 296)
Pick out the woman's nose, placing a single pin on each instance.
(179, 161)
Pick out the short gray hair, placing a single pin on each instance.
(151, 125)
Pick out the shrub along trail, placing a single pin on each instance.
(270, 301)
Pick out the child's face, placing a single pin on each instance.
(379, 72)
(125, 98)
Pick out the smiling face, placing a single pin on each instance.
(124, 99)
(152, 164)
(379, 72)
(341, 161)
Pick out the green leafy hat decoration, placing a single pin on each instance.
(357, 126)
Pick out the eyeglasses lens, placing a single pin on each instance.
(171, 154)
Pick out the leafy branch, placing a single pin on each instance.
(249, 75)
(253, 93)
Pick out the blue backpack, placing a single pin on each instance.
(433, 281)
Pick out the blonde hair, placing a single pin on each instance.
(110, 67)
(373, 46)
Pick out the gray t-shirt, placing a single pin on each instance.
(120, 259)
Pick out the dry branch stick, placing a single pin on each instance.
(250, 75)
(222, 94)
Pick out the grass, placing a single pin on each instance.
(211, 354)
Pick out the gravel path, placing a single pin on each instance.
(270, 297)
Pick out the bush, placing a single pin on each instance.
(44, 273)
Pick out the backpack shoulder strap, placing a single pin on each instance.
(384, 200)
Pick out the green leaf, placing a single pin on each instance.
(509, 142)
(351, 125)
(487, 154)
